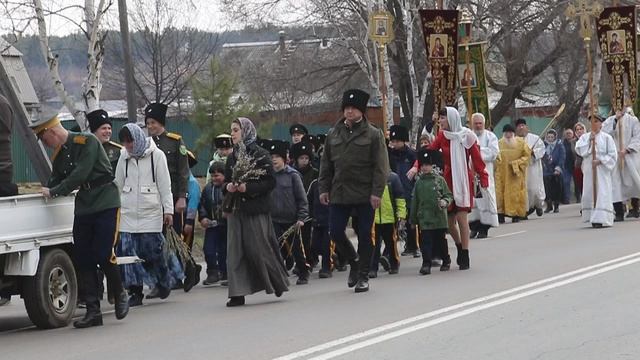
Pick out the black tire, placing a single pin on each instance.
(46, 310)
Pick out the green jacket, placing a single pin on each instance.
(177, 161)
(82, 163)
(393, 206)
(424, 204)
(354, 164)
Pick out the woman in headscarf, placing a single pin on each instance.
(143, 179)
(253, 255)
(462, 160)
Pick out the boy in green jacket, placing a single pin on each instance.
(429, 203)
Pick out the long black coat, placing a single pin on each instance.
(256, 200)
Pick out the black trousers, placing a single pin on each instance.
(321, 244)
(553, 188)
(433, 239)
(310, 253)
(95, 236)
(339, 217)
(292, 246)
(385, 233)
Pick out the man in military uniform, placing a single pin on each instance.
(80, 162)
(297, 132)
(101, 126)
(353, 175)
(178, 163)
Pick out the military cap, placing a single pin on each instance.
(223, 141)
(279, 147)
(156, 111)
(356, 98)
(397, 132)
(428, 156)
(301, 148)
(97, 118)
(263, 143)
(311, 139)
(299, 129)
(321, 138)
(44, 123)
(508, 128)
(192, 159)
(521, 121)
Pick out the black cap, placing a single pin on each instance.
(298, 128)
(98, 118)
(301, 148)
(279, 147)
(321, 138)
(156, 111)
(596, 117)
(397, 132)
(428, 157)
(311, 139)
(356, 98)
(521, 121)
(223, 141)
(508, 128)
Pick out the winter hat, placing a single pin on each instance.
(97, 118)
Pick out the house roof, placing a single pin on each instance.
(12, 59)
(7, 49)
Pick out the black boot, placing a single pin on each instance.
(115, 289)
(353, 273)
(635, 208)
(459, 254)
(425, 269)
(363, 283)
(618, 207)
(136, 296)
(213, 276)
(549, 207)
(235, 301)
(93, 316)
(464, 260)
(501, 218)
(446, 263)
(556, 207)
(483, 233)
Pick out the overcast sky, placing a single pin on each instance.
(206, 16)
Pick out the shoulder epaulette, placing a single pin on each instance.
(80, 139)
(174, 136)
(116, 144)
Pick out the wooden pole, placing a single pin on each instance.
(592, 112)
(467, 60)
(128, 62)
(383, 87)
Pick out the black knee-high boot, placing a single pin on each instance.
(618, 207)
(115, 291)
(93, 316)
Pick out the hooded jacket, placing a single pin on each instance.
(145, 190)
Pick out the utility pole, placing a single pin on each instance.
(128, 63)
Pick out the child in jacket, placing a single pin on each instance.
(215, 225)
(393, 208)
(431, 197)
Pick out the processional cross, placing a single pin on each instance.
(585, 11)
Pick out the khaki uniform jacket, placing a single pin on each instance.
(175, 151)
(355, 164)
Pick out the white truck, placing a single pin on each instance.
(35, 256)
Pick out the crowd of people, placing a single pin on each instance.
(270, 207)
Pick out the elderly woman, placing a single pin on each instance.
(143, 179)
(462, 158)
(253, 256)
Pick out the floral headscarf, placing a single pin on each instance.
(249, 133)
(140, 142)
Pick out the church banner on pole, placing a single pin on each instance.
(617, 37)
(474, 77)
(440, 29)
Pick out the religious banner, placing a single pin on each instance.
(472, 76)
(440, 29)
(617, 37)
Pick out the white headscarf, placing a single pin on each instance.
(461, 139)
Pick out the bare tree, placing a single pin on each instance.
(167, 56)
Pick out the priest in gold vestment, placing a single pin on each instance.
(511, 175)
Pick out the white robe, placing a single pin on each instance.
(535, 181)
(626, 175)
(606, 152)
(485, 208)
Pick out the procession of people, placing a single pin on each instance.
(267, 211)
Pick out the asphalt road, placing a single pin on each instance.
(547, 288)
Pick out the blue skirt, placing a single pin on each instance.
(155, 270)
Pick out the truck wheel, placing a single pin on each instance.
(50, 296)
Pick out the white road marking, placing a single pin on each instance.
(506, 295)
(509, 234)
